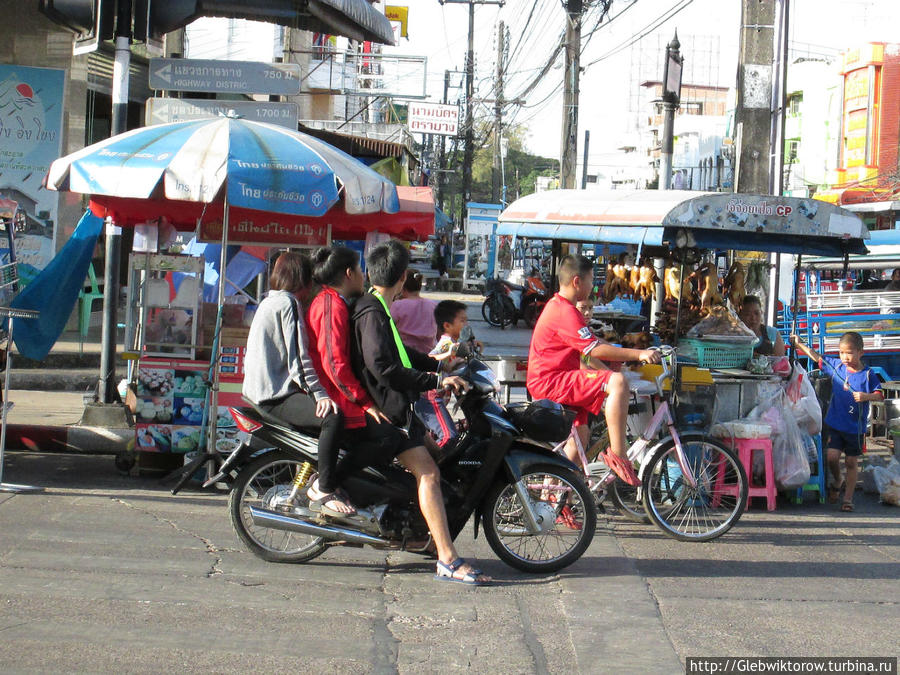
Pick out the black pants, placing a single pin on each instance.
(375, 444)
(299, 409)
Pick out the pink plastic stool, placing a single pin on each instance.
(745, 448)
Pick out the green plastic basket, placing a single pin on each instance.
(715, 354)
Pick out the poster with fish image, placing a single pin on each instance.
(31, 116)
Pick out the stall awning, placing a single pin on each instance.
(355, 19)
(675, 218)
(608, 234)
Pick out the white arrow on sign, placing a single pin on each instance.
(159, 111)
(165, 73)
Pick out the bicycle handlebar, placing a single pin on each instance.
(668, 361)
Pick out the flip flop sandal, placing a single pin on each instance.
(621, 467)
(834, 492)
(847, 506)
(452, 573)
(319, 505)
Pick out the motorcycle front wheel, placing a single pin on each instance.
(267, 483)
(564, 508)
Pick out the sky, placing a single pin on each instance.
(622, 49)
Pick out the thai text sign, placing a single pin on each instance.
(165, 110)
(227, 77)
(269, 229)
(433, 118)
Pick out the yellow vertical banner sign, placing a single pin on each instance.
(399, 14)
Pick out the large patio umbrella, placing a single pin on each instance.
(208, 170)
(217, 169)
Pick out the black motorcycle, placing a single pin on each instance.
(505, 302)
(538, 515)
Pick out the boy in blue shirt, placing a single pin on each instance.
(853, 386)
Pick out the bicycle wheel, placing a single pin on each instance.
(628, 500)
(267, 482)
(699, 513)
(565, 510)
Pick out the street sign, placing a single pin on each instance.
(433, 118)
(227, 77)
(164, 110)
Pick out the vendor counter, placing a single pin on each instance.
(737, 392)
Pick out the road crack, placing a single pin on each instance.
(211, 548)
(386, 645)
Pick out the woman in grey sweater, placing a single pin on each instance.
(279, 375)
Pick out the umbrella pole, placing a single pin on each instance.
(207, 449)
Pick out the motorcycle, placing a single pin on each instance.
(505, 302)
(537, 513)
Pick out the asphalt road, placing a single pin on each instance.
(103, 572)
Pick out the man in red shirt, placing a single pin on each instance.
(561, 338)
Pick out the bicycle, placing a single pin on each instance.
(692, 487)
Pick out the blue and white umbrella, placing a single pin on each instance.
(223, 160)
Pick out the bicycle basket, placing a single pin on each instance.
(717, 354)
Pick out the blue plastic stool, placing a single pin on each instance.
(817, 481)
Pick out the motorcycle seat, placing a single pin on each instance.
(269, 418)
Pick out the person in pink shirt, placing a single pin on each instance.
(414, 315)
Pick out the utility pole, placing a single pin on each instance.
(107, 386)
(498, 115)
(442, 162)
(584, 164)
(755, 107)
(469, 153)
(569, 145)
(754, 90)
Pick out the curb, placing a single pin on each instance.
(75, 438)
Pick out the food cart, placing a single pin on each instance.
(689, 234)
(232, 181)
(171, 379)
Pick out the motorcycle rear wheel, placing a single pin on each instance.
(264, 483)
(559, 494)
(493, 311)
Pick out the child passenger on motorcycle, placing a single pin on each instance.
(279, 374)
(394, 376)
(560, 340)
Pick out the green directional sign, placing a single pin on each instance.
(164, 110)
(225, 77)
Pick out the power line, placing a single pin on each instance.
(649, 28)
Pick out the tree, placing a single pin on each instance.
(518, 162)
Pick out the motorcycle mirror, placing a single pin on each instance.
(466, 334)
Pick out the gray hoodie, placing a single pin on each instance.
(277, 362)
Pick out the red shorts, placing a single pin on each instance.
(582, 390)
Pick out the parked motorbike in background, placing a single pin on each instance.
(505, 302)
(537, 513)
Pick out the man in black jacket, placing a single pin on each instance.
(395, 376)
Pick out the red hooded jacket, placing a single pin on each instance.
(328, 326)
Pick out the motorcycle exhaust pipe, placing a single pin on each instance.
(280, 521)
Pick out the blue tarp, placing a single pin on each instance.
(54, 291)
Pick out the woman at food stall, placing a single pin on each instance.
(770, 342)
(280, 378)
